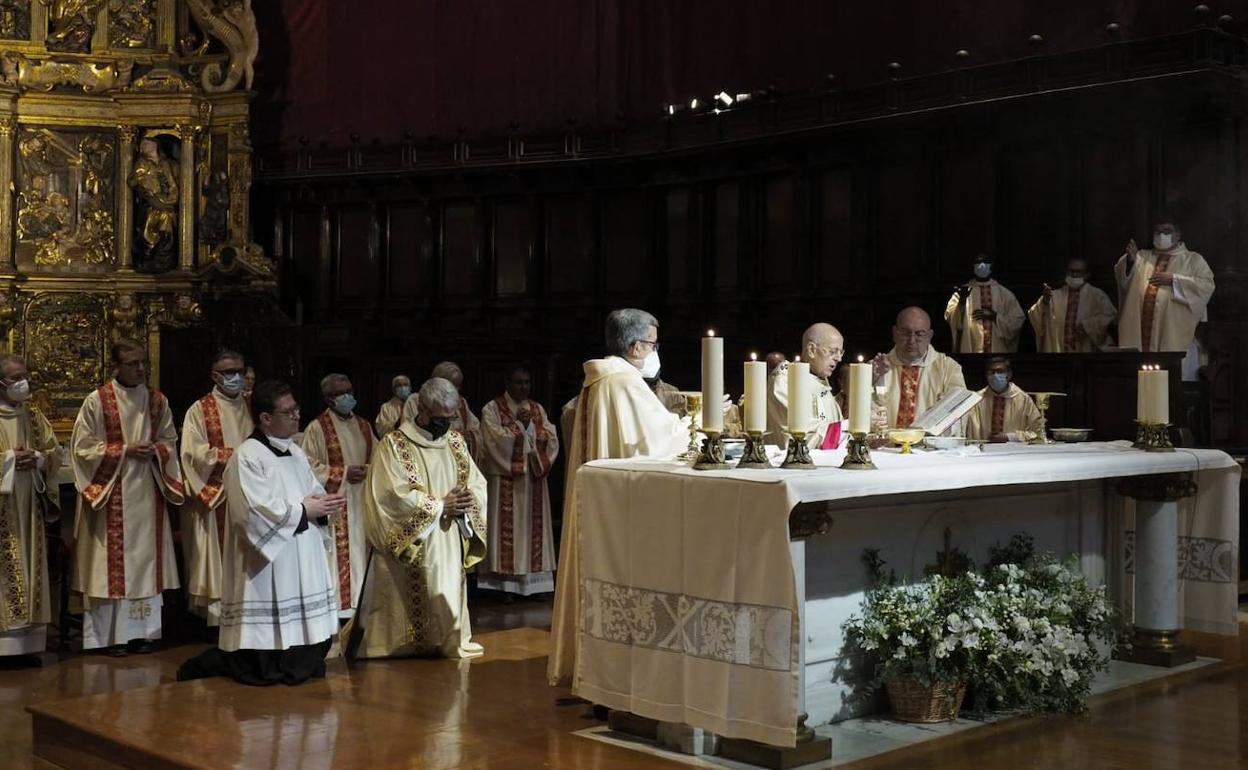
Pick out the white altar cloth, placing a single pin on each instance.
(690, 608)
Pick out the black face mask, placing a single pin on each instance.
(438, 426)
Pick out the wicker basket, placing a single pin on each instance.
(912, 702)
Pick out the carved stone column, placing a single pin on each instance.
(8, 124)
(1157, 622)
(125, 197)
(186, 200)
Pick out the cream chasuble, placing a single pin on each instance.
(213, 428)
(27, 501)
(1072, 320)
(907, 391)
(332, 443)
(1162, 317)
(389, 416)
(517, 461)
(465, 423)
(416, 601)
(824, 409)
(278, 591)
(617, 416)
(1011, 414)
(999, 335)
(122, 545)
(669, 395)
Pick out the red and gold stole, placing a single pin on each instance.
(337, 472)
(985, 303)
(216, 440)
(1149, 306)
(506, 504)
(998, 415)
(1070, 337)
(907, 403)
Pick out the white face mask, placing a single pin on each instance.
(1075, 282)
(18, 392)
(1163, 241)
(651, 365)
(232, 384)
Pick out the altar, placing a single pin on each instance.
(716, 598)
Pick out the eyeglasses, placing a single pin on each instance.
(291, 412)
(834, 352)
(228, 372)
(654, 344)
(907, 334)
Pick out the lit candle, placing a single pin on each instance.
(801, 409)
(712, 382)
(755, 395)
(1152, 400)
(859, 397)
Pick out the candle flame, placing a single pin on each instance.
(859, 359)
(753, 356)
(710, 332)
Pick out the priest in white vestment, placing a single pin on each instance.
(391, 412)
(823, 346)
(279, 602)
(424, 509)
(465, 421)
(519, 447)
(339, 444)
(983, 315)
(1073, 318)
(1163, 292)
(616, 416)
(126, 469)
(28, 500)
(1006, 412)
(912, 377)
(213, 428)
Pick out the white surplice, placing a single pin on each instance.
(277, 591)
(333, 443)
(516, 462)
(908, 390)
(1011, 414)
(1080, 317)
(1001, 332)
(824, 409)
(1174, 311)
(123, 547)
(27, 501)
(213, 428)
(416, 601)
(617, 416)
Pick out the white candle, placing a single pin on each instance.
(800, 406)
(755, 395)
(1152, 401)
(712, 382)
(859, 397)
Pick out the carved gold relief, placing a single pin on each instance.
(154, 179)
(132, 23)
(234, 24)
(125, 316)
(71, 24)
(15, 19)
(44, 75)
(65, 197)
(65, 345)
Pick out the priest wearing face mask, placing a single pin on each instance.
(616, 416)
(391, 413)
(1163, 291)
(1073, 318)
(28, 499)
(339, 444)
(983, 315)
(425, 513)
(465, 421)
(213, 428)
(1006, 412)
(822, 348)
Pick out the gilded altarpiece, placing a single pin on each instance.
(125, 148)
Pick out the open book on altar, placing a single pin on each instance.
(947, 411)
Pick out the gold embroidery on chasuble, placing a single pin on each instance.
(1149, 306)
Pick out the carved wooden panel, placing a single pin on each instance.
(461, 249)
(570, 246)
(899, 222)
(968, 212)
(1114, 188)
(835, 260)
(356, 257)
(679, 238)
(513, 247)
(1039, 215)
(410, 250)
(626, 239)
(781, 257)
(726, 235)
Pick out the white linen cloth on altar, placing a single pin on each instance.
(689, 608)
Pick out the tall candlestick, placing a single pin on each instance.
(800, 406)
(712, 382)
(859, 397)
(755, 395)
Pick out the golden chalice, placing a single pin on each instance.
(693, 410)
(904, 437)
(1042, 403)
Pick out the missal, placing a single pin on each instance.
(947, 411)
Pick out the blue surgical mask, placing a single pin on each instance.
(983, 270)
(998, 382)
(344, 404)
(232, 384)
(403, 391)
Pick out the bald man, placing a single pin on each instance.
(912, 376)
(822, 348)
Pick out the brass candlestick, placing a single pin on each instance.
(1153, 436)
(755, 455)
(797, 457)
(711, 458)
(1042, 403)
(858, 453)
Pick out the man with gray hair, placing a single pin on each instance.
(822, 348)
(464, 422)
(339, 444)
(391, 413)
(424, 513)
(616, 415)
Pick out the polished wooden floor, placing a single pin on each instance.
(497, 712)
